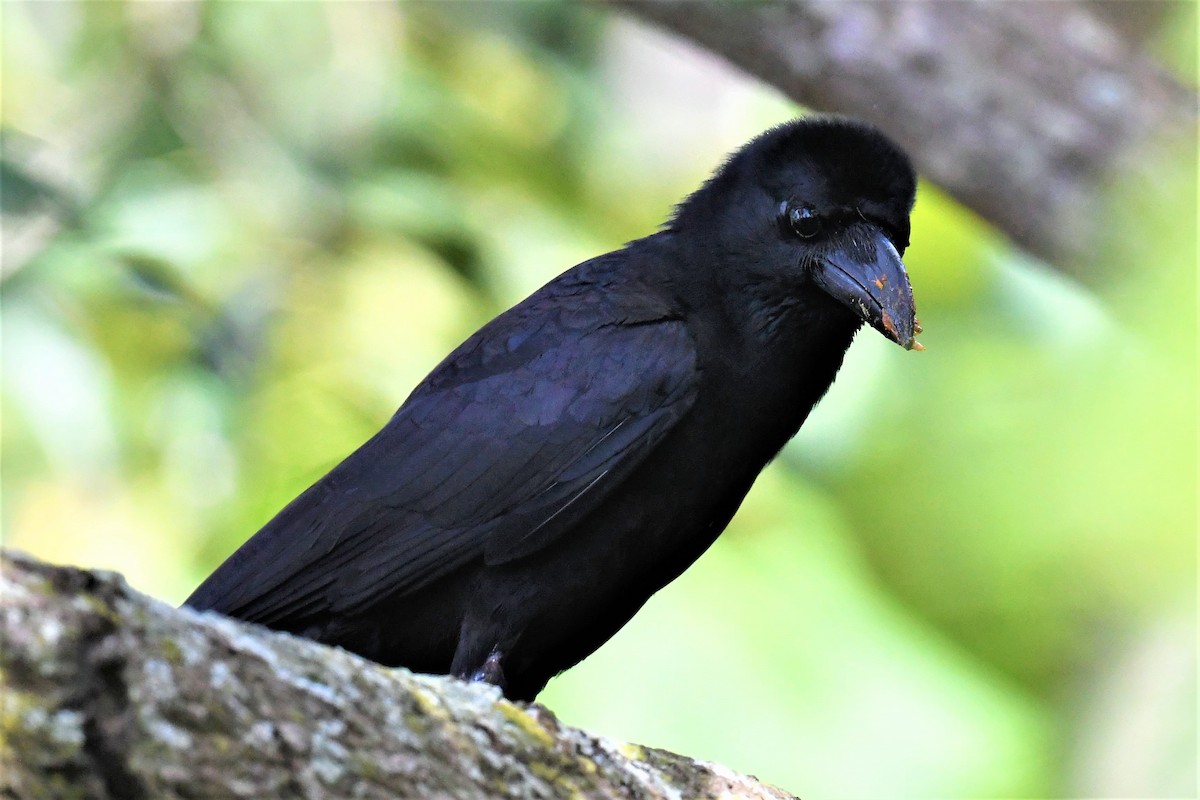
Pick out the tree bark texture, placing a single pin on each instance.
(111, 694)
(1023, 111)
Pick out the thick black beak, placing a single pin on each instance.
(866, 274)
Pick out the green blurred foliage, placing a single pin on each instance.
(236, 235)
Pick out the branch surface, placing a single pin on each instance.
(111, 694)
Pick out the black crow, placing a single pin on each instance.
(579, 451)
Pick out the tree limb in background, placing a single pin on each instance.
(1021, 111)
(109, 694)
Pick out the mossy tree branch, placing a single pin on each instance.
(111, 694)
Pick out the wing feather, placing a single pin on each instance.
(502, 450)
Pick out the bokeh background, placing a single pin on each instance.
(237, 234)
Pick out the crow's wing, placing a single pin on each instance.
(513, 439)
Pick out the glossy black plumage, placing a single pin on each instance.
(583, 448)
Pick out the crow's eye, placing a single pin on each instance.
(804, 221)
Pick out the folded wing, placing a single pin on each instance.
(508, 444)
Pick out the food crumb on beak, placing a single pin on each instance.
(880, 281)
(889, 325)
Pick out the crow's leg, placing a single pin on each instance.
(491, 671)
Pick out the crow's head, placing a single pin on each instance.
(817, 204)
